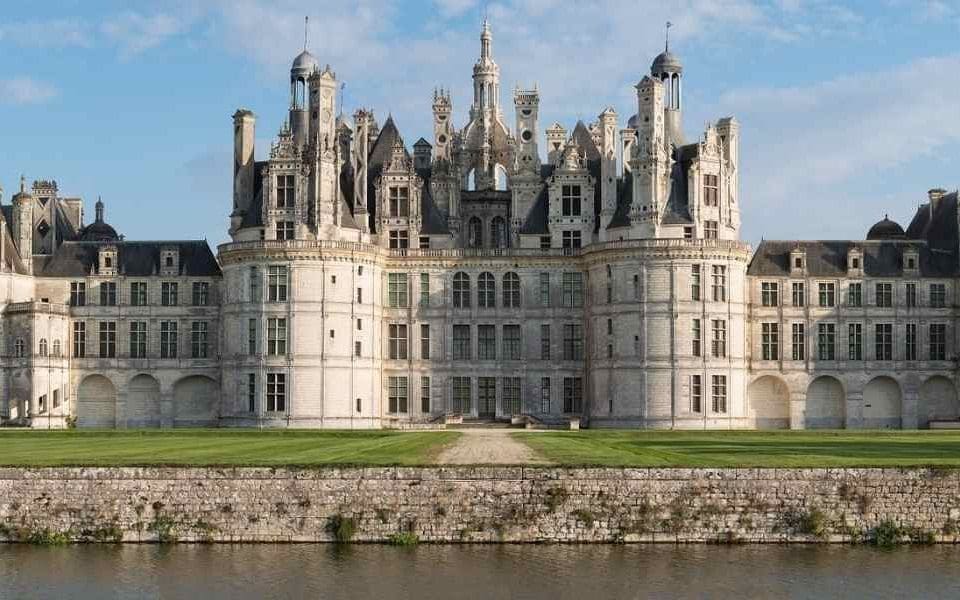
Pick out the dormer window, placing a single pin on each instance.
(855, 261)
(911, 260)
(570, 200)
(170, 261)
(399, 201)
(286, 192)
(798, 261)
(108, 260)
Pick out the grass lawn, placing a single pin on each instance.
(220, 447)
(748, 448)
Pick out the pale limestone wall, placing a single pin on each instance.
(479, 504)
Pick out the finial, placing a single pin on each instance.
(666, 47)
(23, 183)
(306, 25)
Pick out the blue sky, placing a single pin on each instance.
(849, 110)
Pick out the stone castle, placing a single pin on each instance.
(366, 286)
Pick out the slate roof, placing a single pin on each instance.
(677, 208)
(78, 259)
(536, 220)
(254, 215)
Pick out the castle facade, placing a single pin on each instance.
(368, 286)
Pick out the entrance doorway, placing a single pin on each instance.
(487, 398)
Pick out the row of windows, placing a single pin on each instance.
(718, 282)
(169, 293)
(461, 399)
(718, 337)
(826, 341)
(511, 347)
(138, 338)
(717, 391)
(827, 294)
(275, 392)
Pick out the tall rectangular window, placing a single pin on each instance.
(770, 341)
(572, 292)
(572, 395)
(636, 287)
(511, 342)
(884, 295)
(198, 339)
(910, 342)
(855, 295)
(397, 341)
(461, 342)
(883, 341)
(284, 230)
(512, 403)
(697, 338)
(108, 339)
(397, 394)
(169, 293)
(108, 293)
(277, 283)
(572, 342)
(138, 339)
(425, 394)
(938, 295)
(79, 339)
(769, 293)
(397, 290)
(719, 393)
(255, 292)
(286, 197)
(251, 392)
(711, 230)
(711, 190)
(719, 283)
(78, 293)
(276, 392)
(544, 289)
(168, 339)
(799, 341)
(855, 341)
(138, 293)
(399, 201)
(486, 342)
(911, 295)
(826, 341)
(570, 200)
(828, 294)
(424, 341)
(252, 335)
(201, 293)
(545, 342)
(695, 282)
(545, 395)
(511, 290)
(460, 398)
(938, 341)
(276, 336)
(696, 393)
(424, 289)
(799, 293)
(719, 346)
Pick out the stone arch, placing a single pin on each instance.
(143, 402)
(882, 403)
(501, 177)
(769, 401)
(96, 402)
(826, 404)
(938, 401)
(195, 401)
(475, 232)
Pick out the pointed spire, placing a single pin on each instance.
(666, 45)
(99, 210)
(306, 28)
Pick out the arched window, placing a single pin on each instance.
(475, 233)
(498, 233)
(511, 290)
(500, 174)
(18, 348)
(56, 347)
(461, 290)
(43, 347)
(486, 291)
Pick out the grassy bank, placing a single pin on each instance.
(748, 449)
(219, 447)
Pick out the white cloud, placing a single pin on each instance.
(135, 32)
(455, 8)
(55, 33)
(24, 90)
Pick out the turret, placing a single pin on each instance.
(486, 76)
(527, 103)
(608, 166)
(23, 224)
(668, 69)
(304, 65)
(442, 126)
(362, 120)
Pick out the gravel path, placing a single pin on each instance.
(488, 447)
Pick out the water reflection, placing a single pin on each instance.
(508, 571)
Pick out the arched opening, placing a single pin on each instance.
(298, 93)
(825, 404)
(471, 181)
(511, 290)
(143, 402)
(195, 401)
(882, 402)
(938, 401)
(769, 400)
(475, 232)
(500, 174)
(96, 403)
(498, 233)
(461, 290)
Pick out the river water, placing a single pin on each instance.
(209, 572)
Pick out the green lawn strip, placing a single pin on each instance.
(747, 449)
(219, 448)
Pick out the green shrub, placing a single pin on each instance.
(404, 538)
(163, 527)
(949, 527)
(886, 535)
(342, 528)
(584, 516)
(813, 522)
(47, 537)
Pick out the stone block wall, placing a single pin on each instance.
(476, 504)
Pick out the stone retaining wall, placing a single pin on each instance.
(476, 504)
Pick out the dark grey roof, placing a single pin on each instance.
(886, 230)
(940, 231)
(433, 222)
(666, 61)
(677, 209)
(536, 221)
(77, 259)
(254, 215)
(829, 258)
